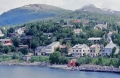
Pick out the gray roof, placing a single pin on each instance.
(5, 39)
(49, 46)
(93, 38)
(79, 46)
(40, 47)
(111, 45)
(101, 25)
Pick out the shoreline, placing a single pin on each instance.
(87, 68)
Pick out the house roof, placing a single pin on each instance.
(110, 45)
(76, 21)
(26, 37)
(79, 46)
(101, 25)
(48, 33)
(23, 45)
(94, 45)
(51, 44)
(40, 47)
(1, 35)
(63, 46)
(77, 30)
(67, 26)
(93, 38)
(5, 39)
(7, 44)
(110, 33)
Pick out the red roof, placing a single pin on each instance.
(76, 21)
(63, 46)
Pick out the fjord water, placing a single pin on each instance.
(41, 72)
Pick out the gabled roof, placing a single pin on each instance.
(76, 21)
(110, 45)
(94, 45)
(79, 46)
(93, 38)
(50, 45)
(63, 46)
(5, 39)
(40, 47)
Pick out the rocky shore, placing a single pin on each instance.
(92, 68)
(43, 64)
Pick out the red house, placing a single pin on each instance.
(6, 42)
(72, 63)
(76, 21)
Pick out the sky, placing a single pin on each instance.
(6, 5)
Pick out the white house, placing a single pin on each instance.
(1, 34)
(94, 39)
(80, 50)
(100, 26)
(108, 48)
(20, 30)
(77, 31)
(51, 48)
(40, 50)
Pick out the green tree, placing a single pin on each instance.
(23, 51)
(15, 56)
(6, 49)
(55, 57)
(118, 64)
(11, 30)
(113, 52)
(88, 60)
(63, 60)
(34, 44)
(100, 61)
(1, 48)
(13, 49)
(16, 42)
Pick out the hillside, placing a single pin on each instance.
(35, 12)
(29, 13)
(91, 12)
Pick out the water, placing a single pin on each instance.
(38, 72)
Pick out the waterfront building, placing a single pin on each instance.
(80, 50)
(40, 50)
(108, 48)
(6, 42)
(94, 50)
(51, 48)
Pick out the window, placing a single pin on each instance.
(73, 50)
(76, 50)
(80, 50)
(80, 54)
